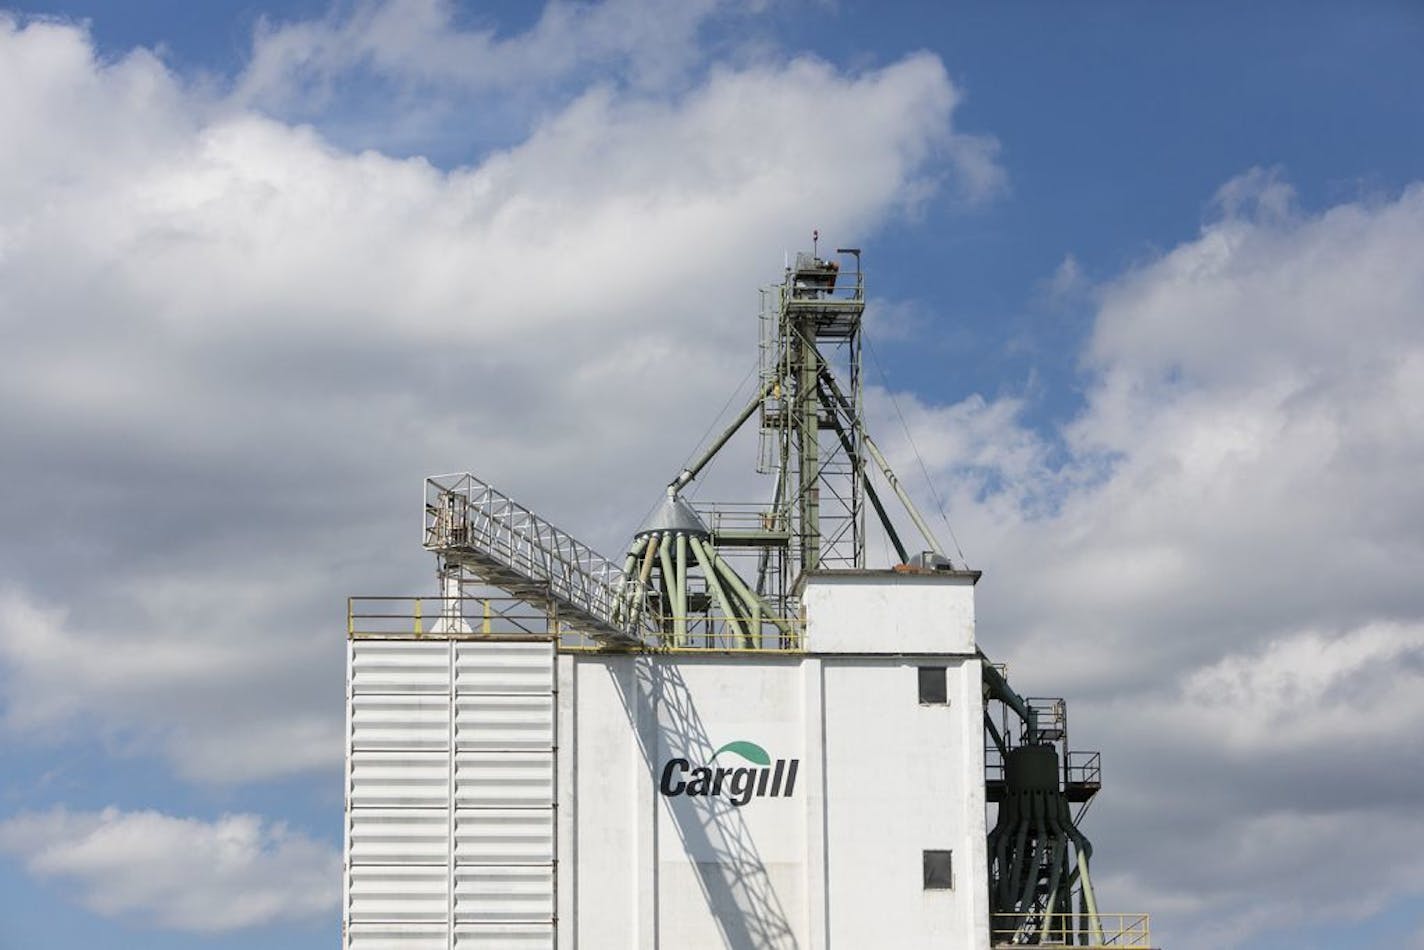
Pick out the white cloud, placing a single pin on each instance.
(179, 873)
(1259, 193)
(419, 42)
(211, 686)
(1253, 422)
(436, 78)
(1218, 561)
(233, 348)
(1310, 690)
(1238, 876)
(1067, 281)
(407, 77)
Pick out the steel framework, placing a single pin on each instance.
(678, 587)
(473, 526)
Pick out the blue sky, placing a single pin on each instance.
(1146, 285)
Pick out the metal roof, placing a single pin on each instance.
(674, 514)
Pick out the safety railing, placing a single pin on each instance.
(741, 517)
(813, 277)
(760, 634)
(993, 763)
(509, 546)
(397, 617)
(1096, 933)
(381, 617)
(1052, 717)
(1084, 768)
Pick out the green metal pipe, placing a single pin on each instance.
(759, 607)
(640, 593)
(1000, 841)
(690, 472)
(904, 496)
(994, 734)
(1055, 862)
(1082, 927)
(1095, 923)
(879, 459)
(666, 575)
(630, 562)
(1084, 852)
(999, 689)
(808, 443)
(1020, 843)
(709, 571)
(679, 622)
(998, 854)
(1039, 821)
(749, 606)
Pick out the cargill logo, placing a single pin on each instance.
(740, 783)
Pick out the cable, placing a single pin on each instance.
(939, 503)
(691, 490)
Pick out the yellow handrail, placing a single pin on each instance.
(1112, 932)
(421, 616)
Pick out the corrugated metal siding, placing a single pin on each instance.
(400, 779)
(511, 936)
(384, 893)
(504, 836)
(419, 875)
(398, 937)
(399, 835)
(400, 666)
(495, 894)
(386, 721)
(504, 779)
(502, 668)
(503, 723)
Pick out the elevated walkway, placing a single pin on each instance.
(471, 524)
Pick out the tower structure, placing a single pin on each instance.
(738, 735)
(811, 442)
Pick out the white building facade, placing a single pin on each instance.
(502, 792)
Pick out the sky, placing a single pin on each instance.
(1146, 330)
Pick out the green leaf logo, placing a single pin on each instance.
(748, 750)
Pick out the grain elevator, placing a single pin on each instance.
(738, 734)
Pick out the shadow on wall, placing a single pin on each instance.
(732, 876)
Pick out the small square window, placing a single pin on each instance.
(939, 871)
(933, 687)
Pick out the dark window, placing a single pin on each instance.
(933, 688)
(939, 872)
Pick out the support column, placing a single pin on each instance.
(808, 408)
